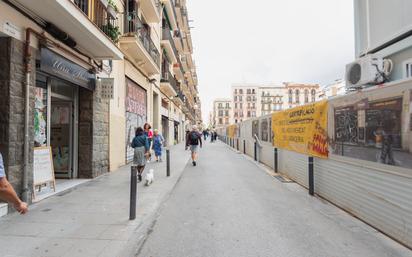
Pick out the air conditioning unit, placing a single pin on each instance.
(368, 70)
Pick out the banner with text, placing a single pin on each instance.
(302, 129)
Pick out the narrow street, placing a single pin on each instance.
(234, 208)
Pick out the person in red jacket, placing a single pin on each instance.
(194, 140)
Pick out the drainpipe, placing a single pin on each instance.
(27, 59)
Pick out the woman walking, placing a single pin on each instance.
(141, 147)
(149, 134)
(157, 145)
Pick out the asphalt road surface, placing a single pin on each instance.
(229, 207)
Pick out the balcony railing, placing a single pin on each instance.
(168, 77)
(107, 22)
(167, 35)
(137, 27)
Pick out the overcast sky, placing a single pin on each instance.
(269, 41)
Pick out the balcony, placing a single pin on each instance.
(152, 10)
(178, 70)
(138, 45)
(168, 84)
(169, 7)
(169, 45)
(177, 36)
(68, 17)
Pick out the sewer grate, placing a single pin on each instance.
(282, 179)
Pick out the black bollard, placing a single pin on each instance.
(276, 161)
(255, 151)
(311, 180)
(237, 144)
(133, 192)
(244, 146)
(167, 162)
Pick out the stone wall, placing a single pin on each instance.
(12, 78)
(93, 134)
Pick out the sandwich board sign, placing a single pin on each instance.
(43, 170)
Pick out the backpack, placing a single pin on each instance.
(194, 138)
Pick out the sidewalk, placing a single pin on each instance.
(93, 218)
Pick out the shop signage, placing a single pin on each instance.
(362, 104)
(302, 129)
(61, 67)
(43, 171)
(395, 104)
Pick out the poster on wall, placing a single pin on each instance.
(40, 116)
(373, 133)
(136, 114)
(302, 129)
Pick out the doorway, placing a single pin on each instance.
(63, 129)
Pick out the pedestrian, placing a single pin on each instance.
(205, 134)
(7, 192)
(149, 134)
(193, 140)
(212, 138)
(141, 147)
(157, 145)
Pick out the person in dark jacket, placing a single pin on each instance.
(141, 147)
(193, 140)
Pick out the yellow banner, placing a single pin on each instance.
(232, 131)
(302, 129)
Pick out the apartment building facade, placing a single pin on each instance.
(222, 113)
(80, 76)
(254, 100)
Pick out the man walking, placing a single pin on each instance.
(193, 140)
(7, 192)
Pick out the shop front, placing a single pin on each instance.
(136, 113)
(56, 110)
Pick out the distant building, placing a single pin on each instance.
(222, 112)
(245, 102)
(254, 100)
(337, 88)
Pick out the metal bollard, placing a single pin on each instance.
(237, 144)
(167, 162)
(311, 180)
(244, 146)
(255, 151)
(276, 161)
(133, 192)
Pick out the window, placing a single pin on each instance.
(408, 68)
(248, 105)
(253, 91)
(240, 98)
(220, 113)
(313, 95)
(235, 91)
(253, 114)
(226, 113)
(220, 105)
(235, 105)
(235, 98)
(227, 120)
(248, 114)
(220, 121)
(297, 96)
(235, 121)
(255, 128)
(248, 99)
(236, 114)
(241, 92)
(248, 91)
(290, 96)
(241, 105)
(306, 96)
(227, 105)
(253, 105)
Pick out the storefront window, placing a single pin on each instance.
(40, 113)
(255, 128)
